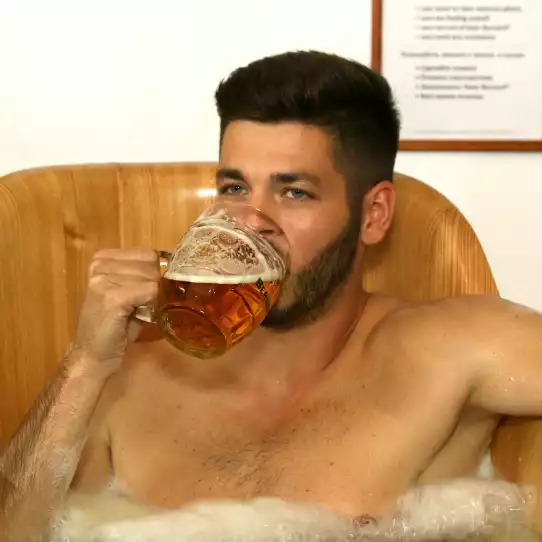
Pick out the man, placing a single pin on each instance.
(341, 398)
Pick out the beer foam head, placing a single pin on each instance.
(201, 276)
(222, 255)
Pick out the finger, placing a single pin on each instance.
(131, 253)
(130, 296)
(103, 283)
(142, 269)
(135, 327)
(114, 281)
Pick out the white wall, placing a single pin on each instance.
(115, 80)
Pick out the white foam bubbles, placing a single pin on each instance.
(217, 263)
(467, 510)
(191, 275)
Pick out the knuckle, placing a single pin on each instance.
(97, 282)
(148, 255)
(146, 270)
(155, 273)
(95, 263)
(101, 253)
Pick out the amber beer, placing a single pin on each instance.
(221, 280)
(205, 316)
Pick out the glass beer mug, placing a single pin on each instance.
(220, 282)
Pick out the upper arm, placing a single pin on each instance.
(94, 468)
(507, 340)
(483, 348)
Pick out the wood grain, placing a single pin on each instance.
(431, 251)
(53, 219)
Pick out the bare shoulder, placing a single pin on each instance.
(467, 318)
(453, 332)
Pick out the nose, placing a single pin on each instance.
(256, 220)
(258, 213)
(259, 221)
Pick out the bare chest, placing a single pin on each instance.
(351, 451)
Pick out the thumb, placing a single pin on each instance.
(134, 330)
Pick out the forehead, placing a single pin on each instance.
(284, 146)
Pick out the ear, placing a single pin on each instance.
(378, 209)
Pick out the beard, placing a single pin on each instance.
(315, 285)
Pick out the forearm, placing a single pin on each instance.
(39, 463)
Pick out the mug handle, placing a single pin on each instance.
(146, 313)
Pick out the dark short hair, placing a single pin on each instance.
(352, 103)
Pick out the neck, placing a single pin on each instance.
(298, 355)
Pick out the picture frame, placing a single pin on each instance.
(434, 124)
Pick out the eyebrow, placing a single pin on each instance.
(290, 177)
(229, 173)
(296, 177)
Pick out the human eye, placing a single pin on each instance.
(232, 189)
(297, 194)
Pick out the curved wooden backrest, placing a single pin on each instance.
(431, 251)
(53, 219)
(51, 222)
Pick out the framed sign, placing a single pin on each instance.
(467, 75)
